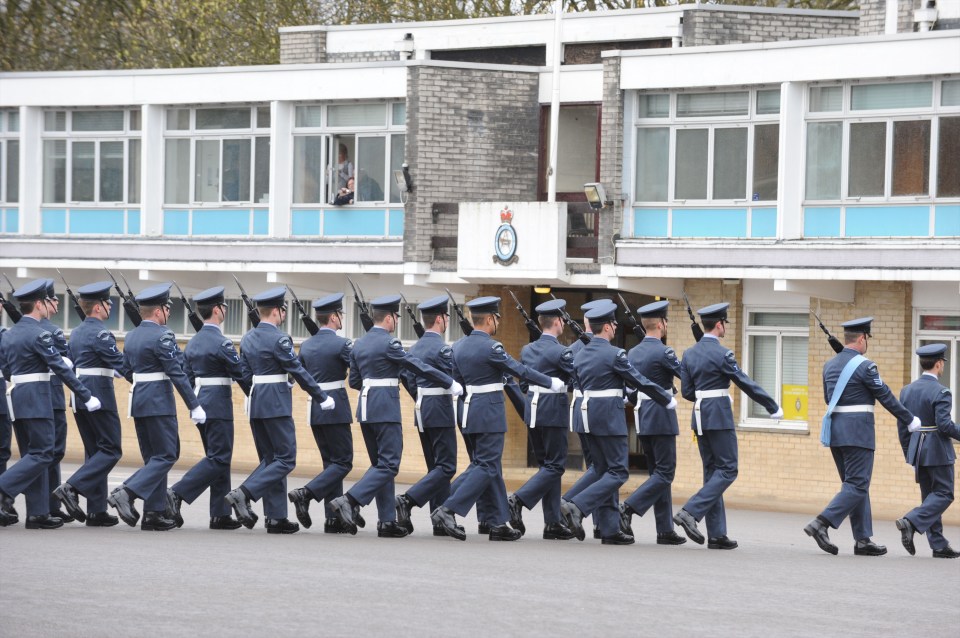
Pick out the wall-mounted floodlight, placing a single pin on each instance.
(596, 195)
(403, 179)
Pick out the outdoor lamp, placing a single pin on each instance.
(403, 179)
(596, 195)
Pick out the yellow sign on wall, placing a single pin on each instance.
(794, 402)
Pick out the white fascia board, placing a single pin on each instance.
(904, 55)
(580, 83)
(813, 274)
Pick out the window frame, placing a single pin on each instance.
(7, 136)
(950, 336)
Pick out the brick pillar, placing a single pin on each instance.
(611, 162)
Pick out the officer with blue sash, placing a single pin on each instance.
(434, 414)
(603, 371)
(929, 450)
(29, 355)
(851, 387)
(93, 349)
(153, 363)
(705, 374)
(267, 357)
(212, 365)
(59, 401)
(656, 427)
(326, 356)
(547, 415)
(375, 365)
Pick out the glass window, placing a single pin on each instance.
(867, 159)
(13, 121)
(824, 140)
(54, 171)
(891, 96)
(653, 165)
(96, 121)
(55, 121)
(938, 327)
(399, 114)
(206, 186)
(111, 171)
(768, 102)
(778, 343)
(176, 321)
(12, 165)
(309, 116)
(405, 328)
(950, 93)
(730, 163)
(766, 157)
(178, 119)
(712, 104)
(235, 323)
(356, 115)
(135, 116)
(691, 164)
(396, 164)
(911, 158)
(370, 168)
(948, 150)
(176, 182)
(236, 170)
(654, 105)
(230, 118)
(825, 99)
(307, 169)
(263, 117)
(261, 171)
(133, 172)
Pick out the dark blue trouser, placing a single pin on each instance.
(100, 433)
(6, 433)
(550, 448)
(160, 448)
(384, 443)
(440, 453)
(936, 490)
(335, 442)
(601, 498)
(482, 482)
(59, 449)
(718, 452)
(213, 470)
(484, 507)
(276, 443)
(855, 466)
(589, 474)
(28, 476)
(661, 453)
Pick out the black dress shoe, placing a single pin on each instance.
(946, 552)
(617, 539)
(573, 518)
(504, 533)
(8, 515)
(121, 501)
(281, 526)
(596, 534)
(44, 521)
(173, 507)
(866, 547)
(68, 496)
(817, 530)
(685, 519)
(101, 519)
(334, 526)
(557, 532)
(157, 522)
(391, 529)
(342, 509)
(301, 498)
(515, 507)
(357, 518)
(670, 538)
(404, 505)
(224, 522)
(626, 513)
(439, 531)
(483, 529)
(443, 517)
(721, 542)
(907, 530)
(63, 516)
(238, 500)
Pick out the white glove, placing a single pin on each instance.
(672, 405)
(778, 414)
(456, 389)
(67, 362)
(328, 403)
(557, 385)
(92, 404)
(914, 425)
(198, 415)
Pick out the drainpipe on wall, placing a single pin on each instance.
(555, 102)
(926, 17)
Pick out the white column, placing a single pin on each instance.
(151, 175)
(890, 17)
(31, 169)
(281, 167)
(790, 169)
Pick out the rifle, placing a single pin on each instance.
(833, 341)
(307, 320)
(577, 330)
(634, 324)
(417, 326)
(365, 319)
(73, 297)
(465, 326)
(192, 315)
(252, 313)
(532, 327)
(694, 326)
(130, 306)
(12, 311)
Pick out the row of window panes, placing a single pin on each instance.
(322, 165)
(712, 104)
(886, 158)
(778, 344)
(9, 171)
(943, 328)
(888, 96)
(96, 121)
(235, 169)
(350, 115)
(103, 171)
(9, 121)
(240, 118)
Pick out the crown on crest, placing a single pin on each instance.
(506, 215)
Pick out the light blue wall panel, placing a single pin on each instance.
(176, 222)
(53, 221)
(13, 220)
(96, 221)
(719, 222)
(396, 223)
(650, 222)
(133, 222)
(887, 221)
(354, 222)
(947, 222)
(763, 222)
(261, 221)
(221, 222)
(821, 222)
(305, 222)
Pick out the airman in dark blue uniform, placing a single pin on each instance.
(326, 356)
(849, 432)
(479, 363)
(212, 365)
(547, 415)
(29, 355)
(434, 413)
(656, 427)
(929, 450)
(93, 349)
(603, 371)
(6, 429)
(705, 374)
(267, 357)
(59, 401)
(375, 365)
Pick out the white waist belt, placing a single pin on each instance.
(36, 377)
(707, 394)
(596, 394)
(537, 391)
(373, 383)
(142, 377)
(477, 389)
(95, 372)
(257, 380)
(641, 397)
(853, 408)
(201, 382)
(430, 392)
(326, 387)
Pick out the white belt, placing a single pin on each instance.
(258, 379)
(373, 383)
(200, 382)
(142, 377)
(430, 392)
(707, 394)
(36, 377)
(537, 391)
(326, 387)
(477, 389)
(89, 372)
(641, 397)
(596, 394)
(853, 408)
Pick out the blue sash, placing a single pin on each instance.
(845, 375)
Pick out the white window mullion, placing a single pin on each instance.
(711, 140)
(888, 164)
